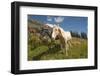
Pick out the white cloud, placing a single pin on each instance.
(59, 19)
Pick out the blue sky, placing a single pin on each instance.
(68, 23)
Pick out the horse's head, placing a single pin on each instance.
(56, 32)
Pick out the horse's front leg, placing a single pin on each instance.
(62, 49)
(66, 48)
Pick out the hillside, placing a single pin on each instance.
(34, 24)
(44, 52)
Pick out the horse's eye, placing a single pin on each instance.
(55, 29)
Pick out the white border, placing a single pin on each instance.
(26, 65)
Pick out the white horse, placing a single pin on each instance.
(63, 36)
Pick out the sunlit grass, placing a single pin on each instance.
(46, 52)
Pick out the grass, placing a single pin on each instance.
(52, 51)
(79, 49)
(37, 51)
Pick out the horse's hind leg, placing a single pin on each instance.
(66, 52)
(66, 49)
(69, 44)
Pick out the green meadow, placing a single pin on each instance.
(50, 50)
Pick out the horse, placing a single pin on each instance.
(63, 36)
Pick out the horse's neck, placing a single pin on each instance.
(62, 39)
(61, 35)
(62, 32)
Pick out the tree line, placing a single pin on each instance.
(79, 35)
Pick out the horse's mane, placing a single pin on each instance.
(61, 29)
